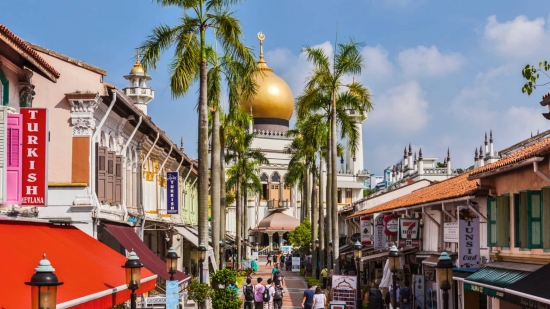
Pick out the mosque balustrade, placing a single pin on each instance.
(278, 204)
(138, 90)
(436, 170)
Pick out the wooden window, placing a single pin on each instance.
(286, 193)
(101, 173)
(263, 178)
(339, 195)
(4, 89)
(503, 221)
(491, 222)
(348, 196)
(265, 191)
(110, 184)
(118, 180)
(528, 213)
(546, 217)
(14, 152)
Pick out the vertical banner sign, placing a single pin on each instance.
(418, 287)
(172, 179)
(35, 156)
(379, 235)
(366, 230)
(468, 238)
(409, 232)
(295, 264)
(391, 225)
(172, 296)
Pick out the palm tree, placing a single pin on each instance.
(189, 65)
(326, 80)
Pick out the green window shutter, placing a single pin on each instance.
(4, 89)
(546, 217)
(523, 214)
(503, 221)
(491, 222)
(517, 206)
(534, 218)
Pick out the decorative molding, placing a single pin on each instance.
(26, 88)
(83, 107)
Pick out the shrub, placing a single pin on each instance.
(199, 292)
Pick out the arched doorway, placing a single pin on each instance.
(276, 241)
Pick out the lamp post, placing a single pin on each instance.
(133, 276)
(202, 257)
(44, 285)
(358, 252)
(342, 261)
(444, 276)
(394, 267)
(222, 255)
(233, 247)
(172, 262)
(330, 255)
(317, 260)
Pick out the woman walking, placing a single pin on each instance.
(268, 259)
(319, 299)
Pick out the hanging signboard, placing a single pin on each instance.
(391, 225)
(450, 231)
(35, 156)
(366, 230)
(296, 264)
(409, 232)
(468, 238)
(419, 288)
(172, 296)
(379, 235)
(172, 183)
(344, 290)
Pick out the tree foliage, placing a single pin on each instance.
(199, 292)
(531, 74)
(301, 236)
(368, 192)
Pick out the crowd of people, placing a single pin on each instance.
(268, 296)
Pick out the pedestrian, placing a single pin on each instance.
(307, 300)
(375, 298)
(274, 271)
(288, 262)
(254, 265)
(405, 296)
(319, 299)
(258, 295)
(268, 259)
(268, 299)
(397, 294)
(278, 296)
(248, 291)
(324, 275)
(329, 280)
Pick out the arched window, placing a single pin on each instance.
(275, 177)
(263, 178)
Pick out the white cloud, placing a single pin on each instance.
(518, 122)
(520, 39)
(404, 107)
(424, 61)
(376, 62)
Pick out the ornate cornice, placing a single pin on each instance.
(83, 107)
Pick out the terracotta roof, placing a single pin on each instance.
(68, 59)
(6, 34)
(537, 149)
(455, 187)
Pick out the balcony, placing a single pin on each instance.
(274, 205)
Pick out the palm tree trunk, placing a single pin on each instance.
(203, 148)
(330, 258)
(245, 216)
(305, 197)
(308, 193)
(334, 187)
(321, 215)
(315, 219)
(238, 215)
(215, 181)
(223, 204)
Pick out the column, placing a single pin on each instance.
(281, 240)
(270, 234)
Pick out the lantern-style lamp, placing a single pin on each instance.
(44, 285)
(172, 262)
(222, 246)
(444, 276)
(330, 246)
(317, 243)
(133, 271)
(202, 252)
(357, 250)
(394, 259)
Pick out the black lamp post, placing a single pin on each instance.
(172, 262)
(330, 255)
(133, 276)
(394, 267)
(317, 259)
(233, 247)
(358, 252)
(44, 285)
(222, 251)
(202, 257)
(444, 276)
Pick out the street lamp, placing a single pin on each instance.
(44, 285)
(133, 276)
(317, 264)
(233, 247)
(222, 255)
(358, 252)
(394, 267)
(444, 276)
(330, 255)
(172, 262)
(202, 257)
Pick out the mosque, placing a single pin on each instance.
(276, 211)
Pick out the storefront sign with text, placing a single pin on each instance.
(35, 156)
(409, 232)
(391, 225)
(172, 183)
(379, 236)
(366, 230)
(468, 238)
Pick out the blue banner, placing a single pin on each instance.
(172, 180)
(172, 297)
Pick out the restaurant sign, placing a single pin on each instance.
(35, 156)
(409, 232)
(379, 236)
(525, 303)
(468, 238)
(391, 225)
(366, 230)
(172, 181)
(483, 290)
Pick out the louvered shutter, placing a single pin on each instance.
(534, 225)
(3, 150)
(503, 221)
(110, 185)
(118, 180)
(546, 217)
(14, 159)
(101, 174)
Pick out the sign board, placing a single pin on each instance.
(419, 288)
(344, 289)
(296, 264)
(525, 302)
(483, 290)
(255, 255)
(35, 156)
(391, 225)
(366, 230)
(172, 296)
(468, 238)
(286, 249)
(172, 183)
(344, 282)
(450, 231)
(379, 235)
(409, 232)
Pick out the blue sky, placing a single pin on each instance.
(442, 73)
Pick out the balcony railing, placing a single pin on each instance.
(278, 204)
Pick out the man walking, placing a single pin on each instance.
(268, 301)
(307, 300)
(405, 296)
(278, 296)
(324, 275)
(259, 295)
(268, 259)
(248, 291)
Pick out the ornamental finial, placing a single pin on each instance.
(261, 37)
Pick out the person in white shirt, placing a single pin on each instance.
(319, 299)
(271, 289)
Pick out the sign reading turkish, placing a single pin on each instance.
(35, 156)
(468, 238)
(409, 232)
(379, 236)
(366, 230)
(172, 181)
(391, 225)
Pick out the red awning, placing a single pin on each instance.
(91, 271)
(128, 238)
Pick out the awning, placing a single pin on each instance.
(460, 274)
(376, 256)
(431, 261)
(192, 236)
(91, 271)
(496, 278)
(533, 287)
(128, 238)
(351, 185)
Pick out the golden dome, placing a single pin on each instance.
(137, 68)
(273, 98)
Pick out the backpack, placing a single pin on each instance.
(266, 296)
(405, 294)
(249, 293)
(278, 293)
